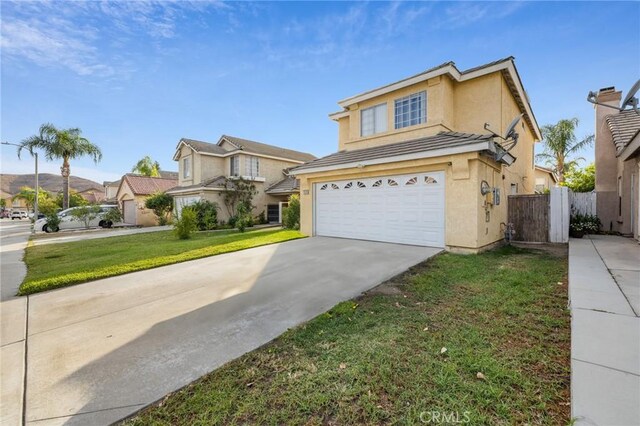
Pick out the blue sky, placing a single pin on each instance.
(137, 76)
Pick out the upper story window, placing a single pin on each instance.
(252, 166)
(373, 120)
(235, 165)
(411, 110)
(186, 168)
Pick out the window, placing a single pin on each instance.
(251, 166)
(411, 110)
(373, 120)
(186, 168)
(235, 166)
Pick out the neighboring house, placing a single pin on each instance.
(205, 167)
(414, 158)
(545, 179)
(132, 193)
(617, 152)
(111, 190)
(93, 195)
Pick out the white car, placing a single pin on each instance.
(18, 214)
(68, 221)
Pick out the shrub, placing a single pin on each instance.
(186, 224)
(243, 217)
(584, 224)
(162, 204)
(53, 221)
(112, 216)
(206, 214)
(291, 213)
(262, 218)
(85, 214)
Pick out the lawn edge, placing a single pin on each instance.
(26, 292)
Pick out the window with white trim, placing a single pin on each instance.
(186, 168)
(373, 120)
(251, 166)
(235, 165)
(411, 110)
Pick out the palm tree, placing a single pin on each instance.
(29, 195)
(65, 144)
(560, 144)
(147, 167)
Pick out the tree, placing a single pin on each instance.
(75, 199)
(560, 144)
(3, 203)
(581, 180)
(238, 191)
(161, 203)
(147, 167)
(64, 144)
(85, 214)
(29, 195)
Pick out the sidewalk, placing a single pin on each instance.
(605, 330)
(13, 320)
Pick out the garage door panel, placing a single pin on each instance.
(405, 209)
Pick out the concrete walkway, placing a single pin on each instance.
(100, 351)
(604, 281)
(13, 320)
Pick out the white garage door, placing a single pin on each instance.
(129, 207)
(407, 209)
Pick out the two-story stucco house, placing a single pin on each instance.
(204, 168)
(416, 165)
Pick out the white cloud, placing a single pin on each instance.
(72, 35)
(465, 13)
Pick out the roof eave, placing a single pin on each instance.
(475, 147)
(632, 148)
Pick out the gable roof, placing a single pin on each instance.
(506, 66)
(248, 146)
(547, 170)
(287, 185)
(265, 149)
(201, 146)
(145, 185)
(624, 127)
(444, 143)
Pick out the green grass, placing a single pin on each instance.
(59, 265)
(377, 360)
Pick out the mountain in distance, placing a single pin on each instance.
(11, 184)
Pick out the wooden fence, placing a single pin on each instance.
(530, 217)
(582, 203)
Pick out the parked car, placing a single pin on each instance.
(68, 221)
(18, 214)
(5, 214)
(40, 215)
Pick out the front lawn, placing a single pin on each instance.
(483, 338)
(52, 266)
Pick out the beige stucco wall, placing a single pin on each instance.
(543, 179)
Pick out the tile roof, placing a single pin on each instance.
(168, 175)
(271, 150)
(200, 146)
(286, 186)
(442, 140)
(145, 185)
(624, 126)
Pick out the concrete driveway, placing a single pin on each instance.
(100, 351)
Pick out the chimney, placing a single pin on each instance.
(609, 96)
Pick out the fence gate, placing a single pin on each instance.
(530, 217)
